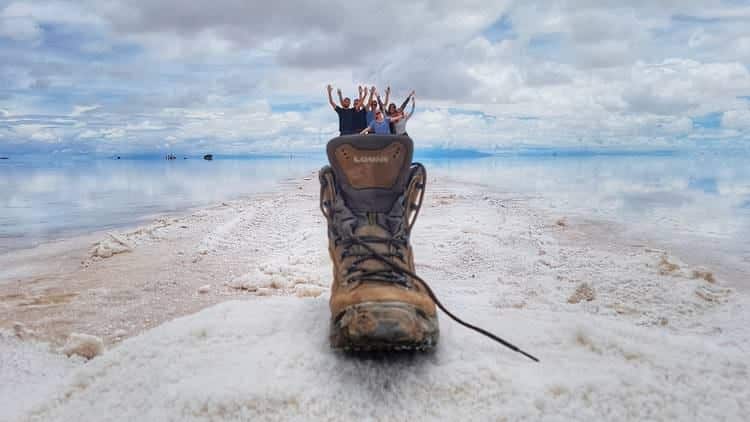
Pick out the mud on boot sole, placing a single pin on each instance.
(383, 326)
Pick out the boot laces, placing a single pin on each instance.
(356, 271)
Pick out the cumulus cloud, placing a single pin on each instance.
(736, 119)
(78, 110)
(245, 76)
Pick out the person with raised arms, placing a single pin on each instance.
(345, 113)
(399, 118)
(360, 111)
(372, 105)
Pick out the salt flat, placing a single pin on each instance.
(624, 331)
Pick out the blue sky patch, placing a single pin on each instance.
(708, 121)
(707, 185)
(501, 30)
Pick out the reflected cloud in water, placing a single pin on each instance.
(676, 197)
(43, 199)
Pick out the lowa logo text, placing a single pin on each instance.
(371, 159)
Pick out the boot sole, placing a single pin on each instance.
(383, 326)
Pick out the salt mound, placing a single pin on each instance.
(713, 294)
(21, 331)
(259, 279)
(83, 345)
(269, 359)
(584, 291)
(703, 274)
(113, 245)
(308, 290)
(278, 276)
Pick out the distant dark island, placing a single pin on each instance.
(3, 158)
(208, 157)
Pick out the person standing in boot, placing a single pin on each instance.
(382, 104)
(381, 125)
(399, 119)
(372, 105)
(360, 112)
(345, 113)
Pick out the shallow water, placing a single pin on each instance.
(695, 202)
(44, 198)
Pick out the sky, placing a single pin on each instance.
(235, 76)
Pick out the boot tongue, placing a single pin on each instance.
(371, 171)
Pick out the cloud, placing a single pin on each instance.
(43, 12)
(38, 133)
(736, 119)
(20, 28)
(78, 110)
(168, 74)
(676, 86)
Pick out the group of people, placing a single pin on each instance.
(371, 116)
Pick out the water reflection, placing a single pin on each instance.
(691, 200)
(673, 195)
(688, 189)
(42, 199)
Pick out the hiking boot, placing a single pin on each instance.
(371, 195)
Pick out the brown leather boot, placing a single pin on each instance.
(371, 195)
